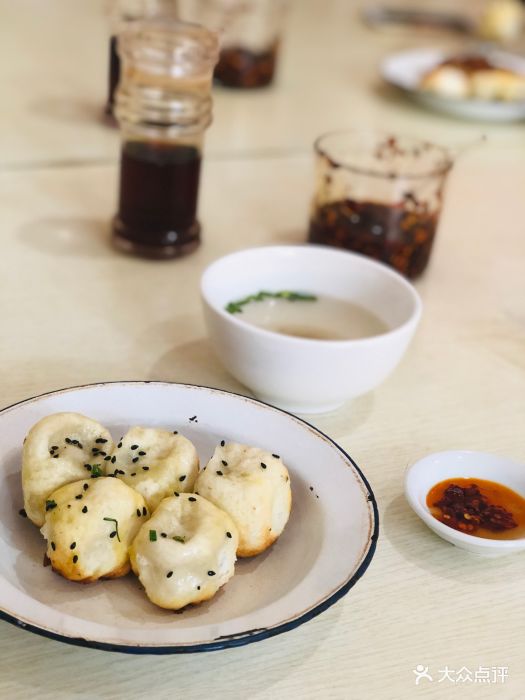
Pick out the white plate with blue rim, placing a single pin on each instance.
(405, 70)
(326, 547)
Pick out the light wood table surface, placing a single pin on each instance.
(74, 311)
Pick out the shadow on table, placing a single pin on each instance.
(346, 420)
(69, 109)
(194, 362)
(68, 236)
(418, 545)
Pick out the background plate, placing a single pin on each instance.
(325, 548)
(404, 71)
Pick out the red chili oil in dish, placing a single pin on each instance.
(478, 507)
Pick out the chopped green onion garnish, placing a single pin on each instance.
(235, 307)
(112, 520)
(96, 471)
(152, 535)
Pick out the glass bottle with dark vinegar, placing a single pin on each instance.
(163, 105)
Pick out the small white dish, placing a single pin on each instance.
(433, 468)
(404, 71)
(325, 548)
(301, 374)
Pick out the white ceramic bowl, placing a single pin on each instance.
(430, 470)
(300, 374)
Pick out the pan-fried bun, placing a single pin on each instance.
(59, 449)
(89, 527)
(498, 84)
(185, 552)
(253, 487)
(155, 463)
(447, 81)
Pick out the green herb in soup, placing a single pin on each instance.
(235, 307)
